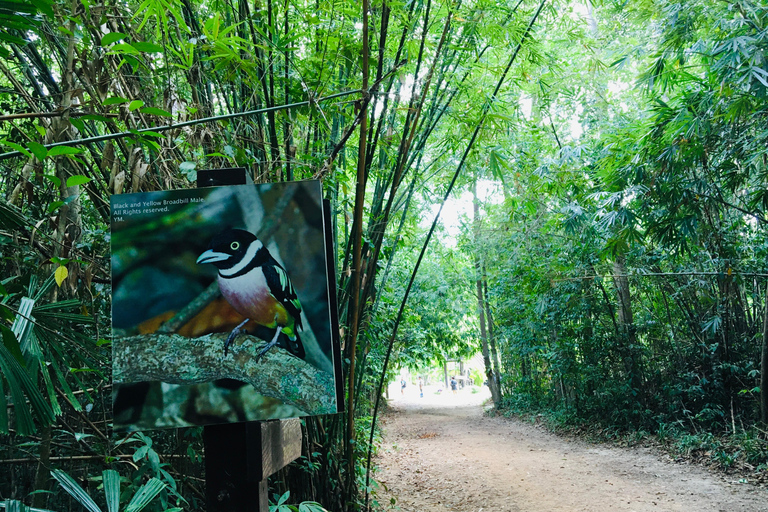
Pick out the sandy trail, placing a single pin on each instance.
(441, 454)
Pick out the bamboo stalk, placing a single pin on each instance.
(377, 233)
(286, 92)
(357, 241)
(456, 174)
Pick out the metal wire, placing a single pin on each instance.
(157, 129)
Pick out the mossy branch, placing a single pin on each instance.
(175, 359)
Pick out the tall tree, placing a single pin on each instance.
(490, 370)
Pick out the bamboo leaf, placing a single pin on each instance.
(15, 377)
(155, 111)
(112, 37)
(11, 217)
(78, 123)
(74, 490)
(50, 388)
(3, 409)
(15, 506)
(76, 180)
(114, 100)
(12, 344)
(94, 117)
(43, 290)
(44, 7)
(63, 150)
(37, 149)
(40, 407)
(311, 506)
(146, 47)
(17, 147)
(111, 481)
(124, 49)
(145, 495)
(23, 320)
(4, 36)
(66, 388)
(53, 179)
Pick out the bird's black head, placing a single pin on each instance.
(229, 248)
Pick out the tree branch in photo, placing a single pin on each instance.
(175, 359)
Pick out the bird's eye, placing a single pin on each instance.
(234, 246)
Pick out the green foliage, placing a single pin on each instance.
(18, 16)
(477, 378)
(306, 506)
(111, 482)
(42, 332)
(624, 246)
(17, 506)
(629, 284)
(78, 70)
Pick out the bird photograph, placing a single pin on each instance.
(223, 306)
(256, 286)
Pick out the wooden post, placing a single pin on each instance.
(239, 457)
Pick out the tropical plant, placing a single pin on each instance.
(111, 484)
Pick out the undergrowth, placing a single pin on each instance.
(743, 453)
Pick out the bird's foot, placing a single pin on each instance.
(265, 350)
(237, 330)
(268, 345)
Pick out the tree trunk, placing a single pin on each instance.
(764, 369)
(628, 343)
(525, 374)
(493, 382)
(491, 334)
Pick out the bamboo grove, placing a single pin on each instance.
(103, 99)
(625, 266)
(616, 277)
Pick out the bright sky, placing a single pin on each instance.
(458, 208)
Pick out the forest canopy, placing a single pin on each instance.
(610, 264)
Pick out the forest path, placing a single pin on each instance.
(440, 453)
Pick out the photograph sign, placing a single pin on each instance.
(222, 307)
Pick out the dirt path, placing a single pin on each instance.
(441, 454)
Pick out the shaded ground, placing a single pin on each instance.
(441, 454)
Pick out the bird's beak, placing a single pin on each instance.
(211, 256)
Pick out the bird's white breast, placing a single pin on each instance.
(250, 296)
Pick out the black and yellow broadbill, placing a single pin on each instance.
(256, 286)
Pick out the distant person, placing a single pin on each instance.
(454, 384)
(402, 386)
(421, 388)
